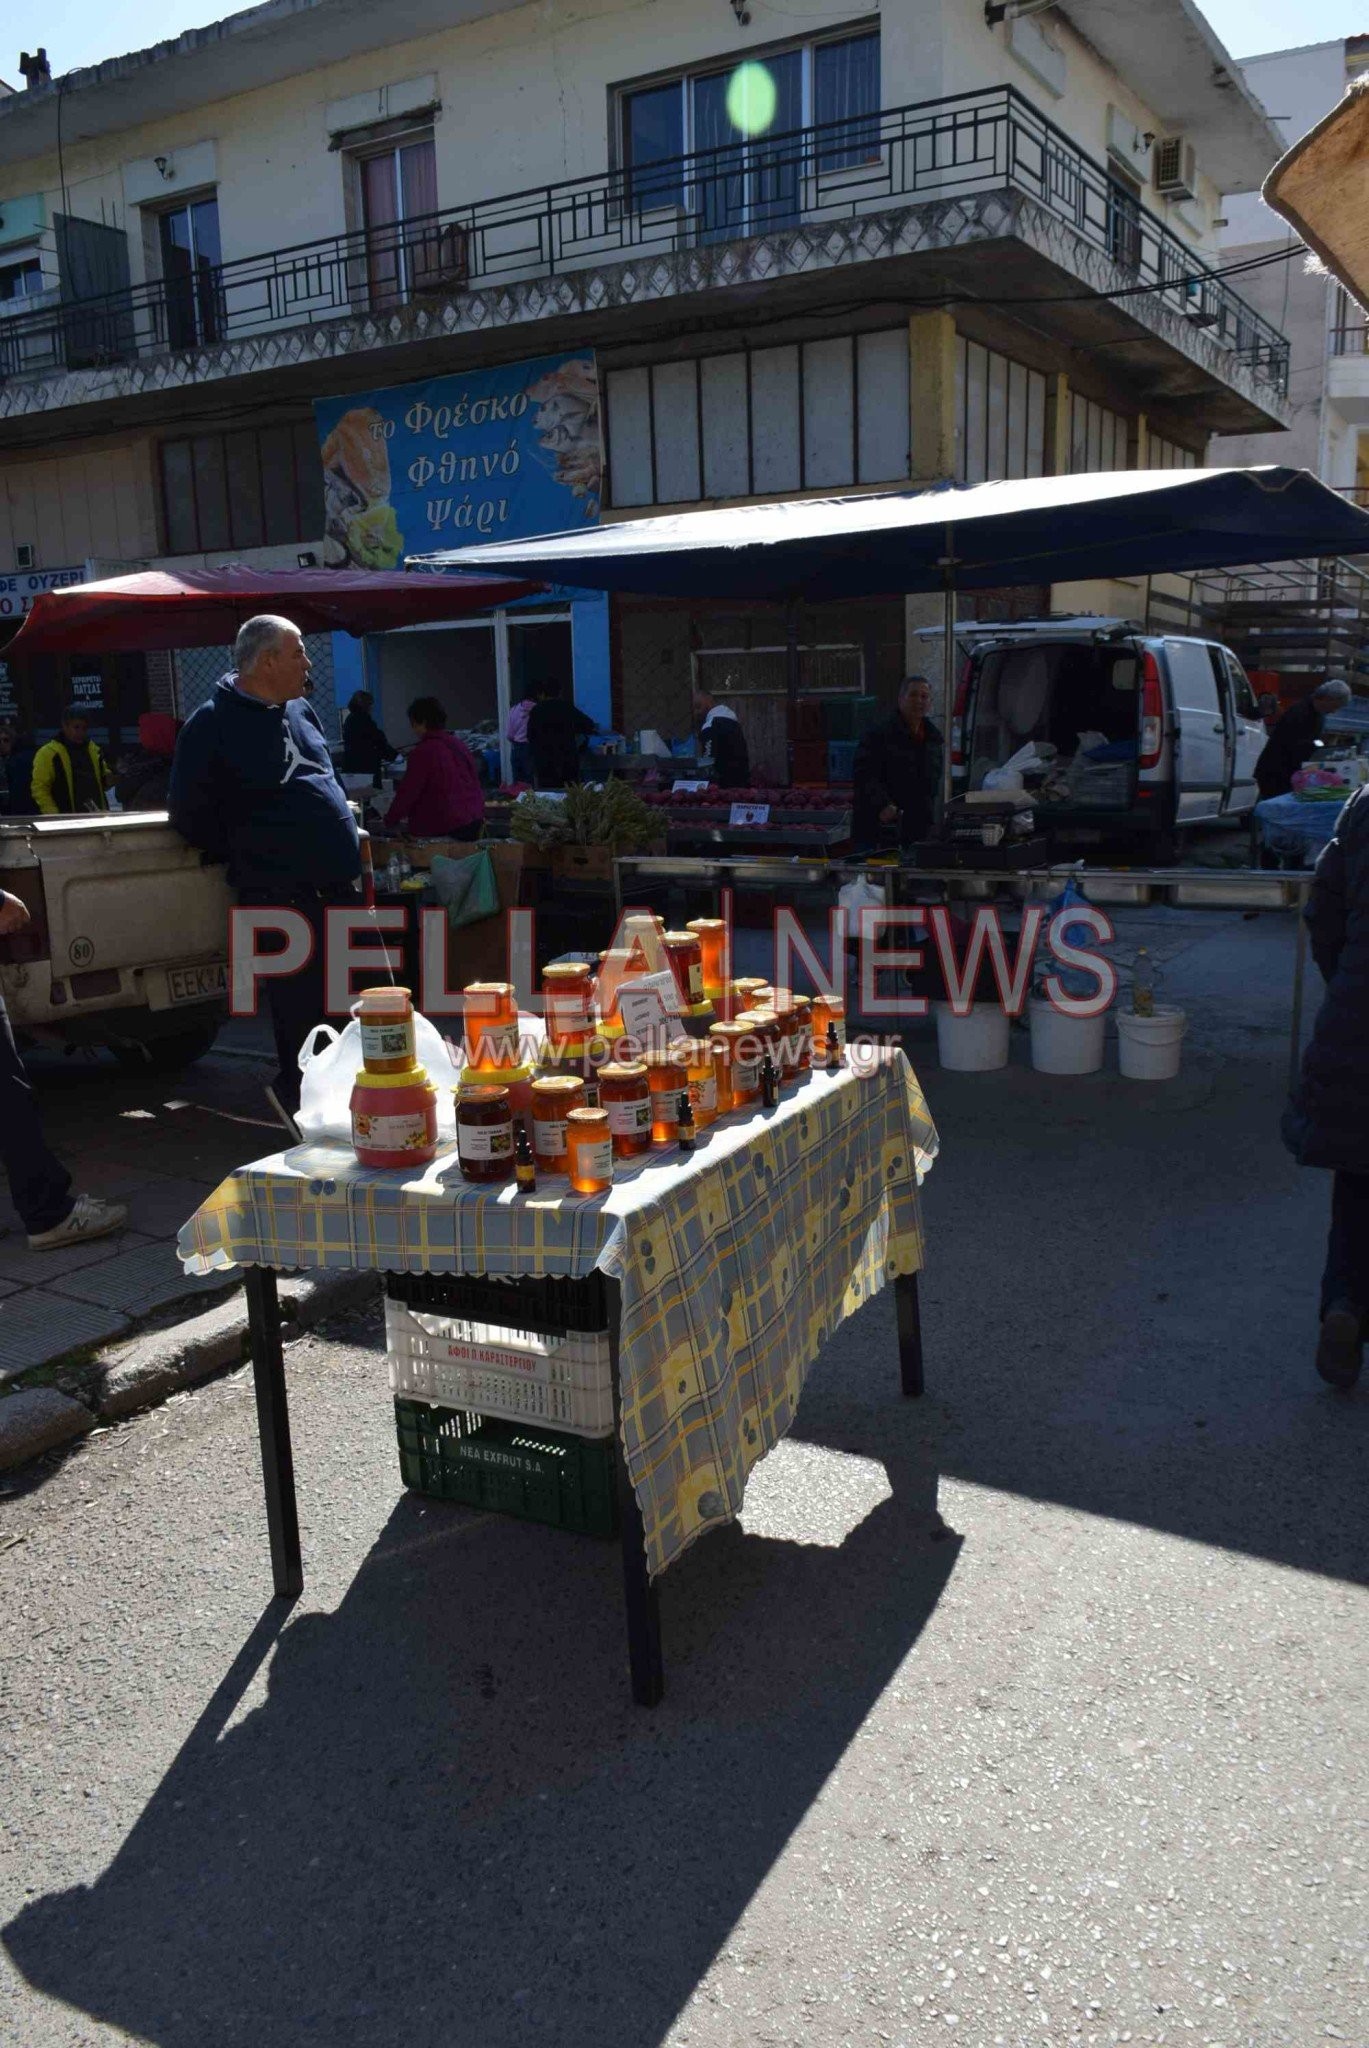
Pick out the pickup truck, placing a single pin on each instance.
(128, 942)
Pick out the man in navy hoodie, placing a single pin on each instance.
(252, 785)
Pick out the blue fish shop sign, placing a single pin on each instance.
(497, 454)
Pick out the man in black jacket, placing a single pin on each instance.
(720, 729)
(556, 728)
(252, 784)
(1293, 741)
(897, 771)
(1327, 1122)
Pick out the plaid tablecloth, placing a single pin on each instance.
(735, 1266)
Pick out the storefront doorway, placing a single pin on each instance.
(476, 668)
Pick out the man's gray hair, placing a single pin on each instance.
(1333, 691)
(258, 637)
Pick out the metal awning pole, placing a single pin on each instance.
(948, 566)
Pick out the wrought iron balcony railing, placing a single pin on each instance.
(1350, 341)
(956, 147)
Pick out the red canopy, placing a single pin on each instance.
(205, 607)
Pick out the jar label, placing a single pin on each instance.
(594, 1161)
(412, 1131)
(696, 982)
(704, 1095)
(549, 1137)
(746, 1076)
(392, 1040)
(494, 1048)
(630, 1119)
(484, 1141)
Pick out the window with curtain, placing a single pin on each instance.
(730, 149)
(405, 245)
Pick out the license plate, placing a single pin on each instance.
(197, 984)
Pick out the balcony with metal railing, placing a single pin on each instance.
(1347, 370)
(977, 157)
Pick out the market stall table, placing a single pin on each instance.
(717, 1278)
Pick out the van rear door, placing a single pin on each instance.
(1202, 770)
(1250, 735)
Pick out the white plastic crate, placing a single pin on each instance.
(565, 1382)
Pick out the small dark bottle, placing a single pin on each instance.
(834, 1061)
(770, 1082)
(685, 1117)
(524, 1165)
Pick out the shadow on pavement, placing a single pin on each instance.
(448, 1823)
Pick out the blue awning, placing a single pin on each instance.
(1044, 530)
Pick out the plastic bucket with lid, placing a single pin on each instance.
(1148, 1048)
(974, 1044)
(1063, 1044)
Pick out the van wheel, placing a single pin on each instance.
(169, 1054)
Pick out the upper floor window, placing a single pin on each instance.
(188, 244)
(20, 280)
(743, 119)
(398, 202)
(248, 488)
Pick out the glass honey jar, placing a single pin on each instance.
(589, 1144)
(829, 1021)
(554, 1096)
(668, 1079)
(567, 997)
(385, 1018)
(711, 933)
(684, 951)
(796, 1034)
(491, 1024)
(625, 1093)
(765, 1031)
(703, 1084)
(739, 1073)
(484, 1134)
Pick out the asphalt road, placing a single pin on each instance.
(1031, 1713)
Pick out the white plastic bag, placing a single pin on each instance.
(329, 1069)
(857, 896)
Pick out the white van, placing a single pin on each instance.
(1135, 735)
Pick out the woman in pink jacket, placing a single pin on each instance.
(440, 796)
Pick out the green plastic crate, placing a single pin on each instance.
(508, 1468)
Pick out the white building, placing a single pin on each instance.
(752, 254)
(1329, 372)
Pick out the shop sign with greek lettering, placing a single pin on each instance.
(495, 454)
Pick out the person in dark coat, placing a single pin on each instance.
(365, 749)
(1326, 1123)
(556, 728)
(720, 729)
(897, 771)
(1293, 741)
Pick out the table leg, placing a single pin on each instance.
(273, 1427)
(643, 1605)
(908, 1310)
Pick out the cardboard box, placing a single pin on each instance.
(582, 863)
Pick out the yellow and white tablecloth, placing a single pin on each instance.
(735, 1265)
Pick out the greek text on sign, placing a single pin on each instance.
(749, 814)
(18, 592)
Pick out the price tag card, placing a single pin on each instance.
(749, 814)
(687, 788)
(647, 1004)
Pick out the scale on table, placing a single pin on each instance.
(990, 829)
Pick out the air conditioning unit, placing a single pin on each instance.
(1176, 168)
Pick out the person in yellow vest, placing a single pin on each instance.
(70, 773)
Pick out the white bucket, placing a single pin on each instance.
(1064, 1045)
(975, 1044)
(1148, 1048)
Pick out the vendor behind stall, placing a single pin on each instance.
(897, 771)
(1293, 741)
(723, 741)
(440, 796)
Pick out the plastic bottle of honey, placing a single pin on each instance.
(386, 1019)
(394, 1119)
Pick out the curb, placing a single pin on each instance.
(164, 1362)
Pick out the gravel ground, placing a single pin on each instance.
(1026, 1714)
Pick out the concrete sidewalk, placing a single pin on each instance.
(158, 1144)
